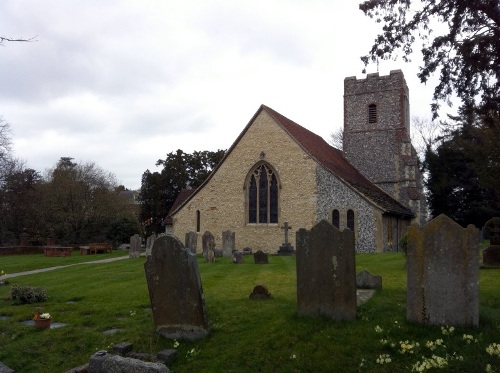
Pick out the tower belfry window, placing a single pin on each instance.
(372, 113)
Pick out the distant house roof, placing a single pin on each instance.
(329, 157)
(131, 196)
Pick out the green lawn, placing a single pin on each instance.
(246, 335)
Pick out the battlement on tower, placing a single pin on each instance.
(375, 83)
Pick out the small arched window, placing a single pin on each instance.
(198, 220)
(336, 219)
(262, 195)
(372, 113)
(350, 220)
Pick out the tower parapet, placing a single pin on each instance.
(377, 136)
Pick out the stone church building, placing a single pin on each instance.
(277, 171)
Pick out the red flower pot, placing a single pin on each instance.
(43, 323)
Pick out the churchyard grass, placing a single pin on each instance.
(246, 335)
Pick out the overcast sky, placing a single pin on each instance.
(123, 83)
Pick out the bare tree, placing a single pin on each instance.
(3, 39)
(337, 138)
(424, 135)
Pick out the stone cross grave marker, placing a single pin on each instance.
(326, 272)
(191, 241)
(135, 246)
(208, 242)
(443, 274)
(491, 256)
(175, 291)
(228, 243)
(286, 248)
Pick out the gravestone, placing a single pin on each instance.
(443, 274)
(191, 241)
(175, 291)
(208, 242)
(260, 292)
(365, 280)
(286, 248)
(149, 243)
(228, 243)
(491, 256)
(102, 362)
(135, 246)
(261, 257)
(237, 257)
(326, 272)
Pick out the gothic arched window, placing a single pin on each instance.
(336, 219)
(350, 220)
(262, 195)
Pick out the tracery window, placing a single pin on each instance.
(262, 195)
(336, 219)
(350, 220)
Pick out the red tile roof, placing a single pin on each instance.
(326, 155)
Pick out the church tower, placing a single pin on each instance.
(377, 137)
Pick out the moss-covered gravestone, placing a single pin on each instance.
(326, 272)
(443, 273)
(491, 230)
(175, 290)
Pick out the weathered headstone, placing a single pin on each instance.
(191, 241)
(175, 291)
(237, 257)
(149, 243)
(443, 273)
(491, 256)
(102, 362)
(326, 272)
(260, 292)
(135, 246)
(365, 280)
(228, 243)
(261, 257)
(286, 248)
(208, 242)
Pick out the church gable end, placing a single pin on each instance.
(264, 180)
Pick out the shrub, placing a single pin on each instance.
(28, 294)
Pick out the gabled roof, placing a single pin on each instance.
(329, 157)
(183, 196)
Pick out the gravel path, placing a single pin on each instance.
(11, 275)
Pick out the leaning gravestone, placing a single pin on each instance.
(149, 243)
(208, 242)
(135, 246)
(261, 257)
(228, 243)
(326, 272)
(365, 280)
(175, 291)
(491, 256)
(443, 274)
(191, 241)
